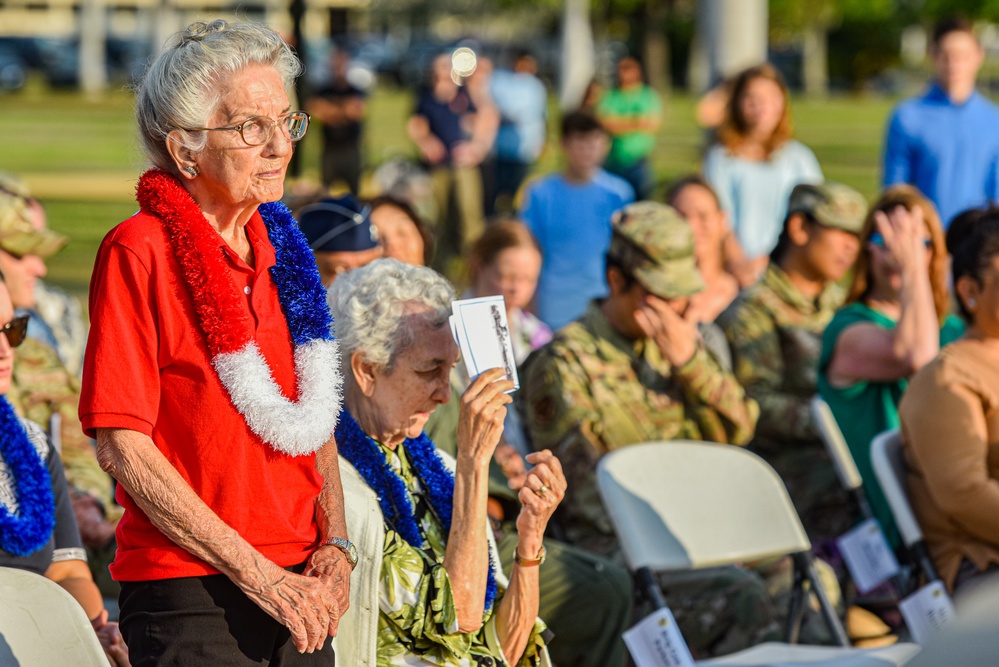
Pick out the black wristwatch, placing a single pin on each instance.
(346, 546)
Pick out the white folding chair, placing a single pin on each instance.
(684, 504)
(889, 467)
(839, 452)
(41, 624)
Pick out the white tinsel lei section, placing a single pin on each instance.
(294, 428)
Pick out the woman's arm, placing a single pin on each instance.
(74, 576)
(865, 351)
(518, 609)
(480, 425)
(300, 603)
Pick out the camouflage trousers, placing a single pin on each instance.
(727, 609)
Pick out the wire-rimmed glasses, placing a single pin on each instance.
(258, 130)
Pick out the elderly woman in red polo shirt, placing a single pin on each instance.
(208, 378)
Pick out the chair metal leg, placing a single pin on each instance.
(796, 608)
(922, 555)
(803, 560)
(647, 583)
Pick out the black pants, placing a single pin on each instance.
(205, 621)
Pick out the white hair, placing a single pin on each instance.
(370, 305)
(180, 88)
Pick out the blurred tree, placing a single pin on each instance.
(809, 22)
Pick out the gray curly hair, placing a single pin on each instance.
(370, 305)
(180, 87)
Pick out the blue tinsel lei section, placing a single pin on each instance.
(29, 529)
(362, 452)
(300, 290)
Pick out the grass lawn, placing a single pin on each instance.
(81, 156)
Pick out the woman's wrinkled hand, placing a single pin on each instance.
(111, 640)
(544, 488)
(330, 565)
(481, 415)
(301, 604)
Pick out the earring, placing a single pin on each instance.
(193, 171)
(971, 303)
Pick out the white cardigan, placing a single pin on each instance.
(356, 639)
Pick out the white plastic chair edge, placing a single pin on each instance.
(886, 458)
(832, 437)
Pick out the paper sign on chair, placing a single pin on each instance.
(656, 641)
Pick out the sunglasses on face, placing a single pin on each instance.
(16, 330)
(879, 240)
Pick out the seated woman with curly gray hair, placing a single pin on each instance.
(439, 594)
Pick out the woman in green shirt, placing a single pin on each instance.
(896, 319)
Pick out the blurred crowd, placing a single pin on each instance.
(714, 309)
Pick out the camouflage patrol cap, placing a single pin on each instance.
(18, 235)
(654, 243)
(830, 204)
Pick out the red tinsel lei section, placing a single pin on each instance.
(197, 248)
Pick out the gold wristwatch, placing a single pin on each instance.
(524, 562)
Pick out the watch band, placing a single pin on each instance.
(346, 546)
(525, 562)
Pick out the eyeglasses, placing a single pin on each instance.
(258, 130)
(879, 240)
(16, 330)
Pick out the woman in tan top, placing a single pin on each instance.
(950, 420)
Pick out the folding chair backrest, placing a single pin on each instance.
(832, 437)
(41, 624)
(686, 504)
(889, 466)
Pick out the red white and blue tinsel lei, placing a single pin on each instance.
(296, 428)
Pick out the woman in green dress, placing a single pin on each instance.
(897, 317)
(439, 598)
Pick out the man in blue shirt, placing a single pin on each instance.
(570, 214)
(946, 142)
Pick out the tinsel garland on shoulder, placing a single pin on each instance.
(393, 497)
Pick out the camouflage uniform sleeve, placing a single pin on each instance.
(559, 414)
(718, 402)
(759, 365)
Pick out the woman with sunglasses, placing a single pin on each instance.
(211, 379)
(38, 532)
(895, 321)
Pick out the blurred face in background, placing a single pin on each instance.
(513, 273)
(762, 106)
(22, 273)
(829, 252)
(6, 350)
(956, 61)
(585, 152)
(707, 221)
(399, 235)
(629, 73)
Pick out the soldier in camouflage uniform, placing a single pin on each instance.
(775, 332)
(44, 391)
(631, 370)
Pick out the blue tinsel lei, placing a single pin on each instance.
(300, 290)
(357, 447)
(26, 531)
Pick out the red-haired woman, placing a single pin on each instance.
(755, 163)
